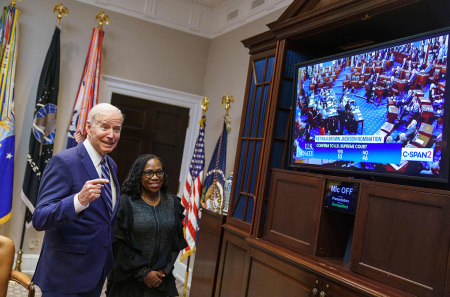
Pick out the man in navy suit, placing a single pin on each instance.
(77, 209)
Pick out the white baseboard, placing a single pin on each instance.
(29, 262)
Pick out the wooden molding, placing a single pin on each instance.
(334, 14)
(260, 43)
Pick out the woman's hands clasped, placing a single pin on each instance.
(154, 278)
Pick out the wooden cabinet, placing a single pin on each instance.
(401, 235)
(279, 240)
(398, 238)
(253, 267)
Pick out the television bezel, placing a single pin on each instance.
(443, 177)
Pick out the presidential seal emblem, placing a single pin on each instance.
(44, 124)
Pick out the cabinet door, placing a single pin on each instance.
(270, 277)
(246, 271)
(267, 281)
(401, 238)
(294, 210)
(232, 266)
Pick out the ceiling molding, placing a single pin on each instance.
(206, 18)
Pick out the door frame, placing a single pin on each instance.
(111, 84)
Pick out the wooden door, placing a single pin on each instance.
(151, 128)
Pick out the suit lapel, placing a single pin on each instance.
(87, 162)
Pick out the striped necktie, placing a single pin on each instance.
(107, 186)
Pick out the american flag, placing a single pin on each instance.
(192, 193)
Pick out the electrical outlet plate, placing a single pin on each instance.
(34, 243)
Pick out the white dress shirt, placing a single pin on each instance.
(96, 160)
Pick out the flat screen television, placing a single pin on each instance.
(379, 110)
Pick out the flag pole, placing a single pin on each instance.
(186, 276)
(20, 251)
(205, 103)
(226, 100)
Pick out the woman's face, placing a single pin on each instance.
(153, 176)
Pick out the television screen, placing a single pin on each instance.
(380, 110)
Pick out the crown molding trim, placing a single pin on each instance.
(194, 18)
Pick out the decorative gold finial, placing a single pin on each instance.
(61, 10)
(205, 103)
(226, 100)
(13, 3)
(102, 16)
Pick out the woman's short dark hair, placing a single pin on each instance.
(132, 184)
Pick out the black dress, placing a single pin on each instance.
(146, 238)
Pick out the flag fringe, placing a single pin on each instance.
(187, 254)
(5, 218)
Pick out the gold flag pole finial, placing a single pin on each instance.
(102, 17)
(13, 3)
(226, 100)
(205, 103)
(61, 10)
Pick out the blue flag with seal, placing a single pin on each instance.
(9, 31)
(213, 194)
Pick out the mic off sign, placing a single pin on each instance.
(341, 196)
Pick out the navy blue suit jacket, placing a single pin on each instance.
(77, 248)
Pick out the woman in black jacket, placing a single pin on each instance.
(148, 234)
